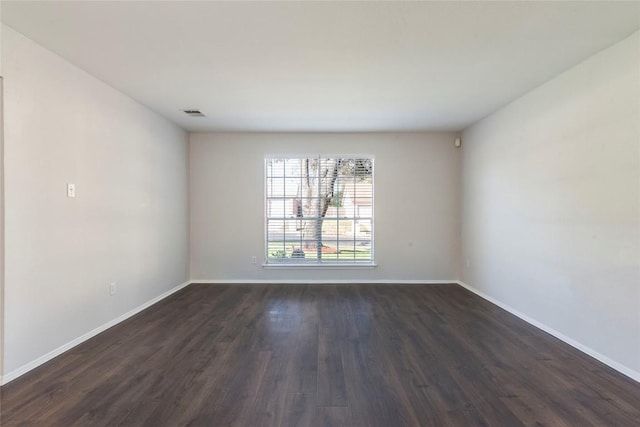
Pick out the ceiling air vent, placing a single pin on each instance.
(194, 113)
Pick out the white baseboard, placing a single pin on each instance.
(324, 282)
(583, 348)
(68, 346)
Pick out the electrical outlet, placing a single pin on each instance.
(71, 190)
(254, 260)
(112, 289)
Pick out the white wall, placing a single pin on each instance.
(416, 204)
(128, 223)
(1, 217)
(551, 205)
(1, 229)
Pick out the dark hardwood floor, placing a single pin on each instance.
(322, 355)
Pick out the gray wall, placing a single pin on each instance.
(416, 204)
(551, 205)
(128, 223)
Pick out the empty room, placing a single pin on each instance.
(326, 213)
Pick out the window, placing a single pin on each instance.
(319, 210)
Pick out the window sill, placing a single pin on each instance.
(323, 266)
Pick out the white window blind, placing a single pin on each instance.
(319, 210)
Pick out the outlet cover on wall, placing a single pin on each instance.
(71, 190)
(112, 288)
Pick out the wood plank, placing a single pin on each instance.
(331, 389)
(322, 355)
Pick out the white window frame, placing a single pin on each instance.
(318, 263)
